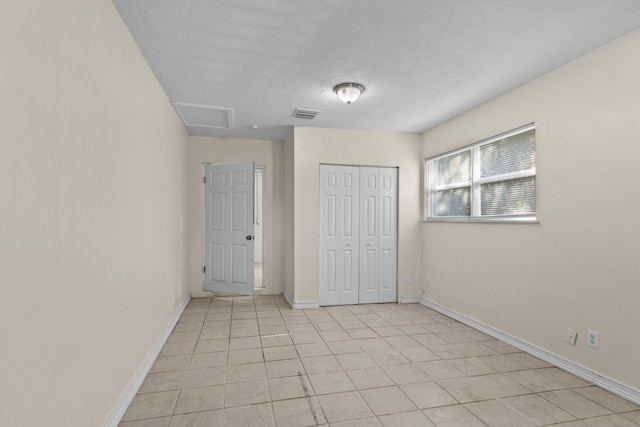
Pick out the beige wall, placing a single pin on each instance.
(264, 153)
(313, 146)
(92, 197)
(578, 268)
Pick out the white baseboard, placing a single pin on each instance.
(586, 374)
(138, 378)
(299, 304)
(408, 300)
(306, 304)
(286, 296)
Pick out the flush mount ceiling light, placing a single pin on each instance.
(348, 92)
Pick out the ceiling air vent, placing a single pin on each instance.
(305, 114)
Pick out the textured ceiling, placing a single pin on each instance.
(422, 61)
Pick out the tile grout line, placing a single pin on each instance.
(308, 397)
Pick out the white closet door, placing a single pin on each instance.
(388, 235)
(339, 212)
(369, 232)
(378, 235)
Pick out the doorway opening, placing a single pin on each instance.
(258, 220)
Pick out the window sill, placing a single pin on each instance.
(486, 220)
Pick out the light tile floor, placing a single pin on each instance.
(253, 361)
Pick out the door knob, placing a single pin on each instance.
(348, 244)
(249, 237)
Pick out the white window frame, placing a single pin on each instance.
(430, 177)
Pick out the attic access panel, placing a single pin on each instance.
(205, 115)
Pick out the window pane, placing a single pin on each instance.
(454, 169)
(509, 197)
(512, 154)
(453, 202)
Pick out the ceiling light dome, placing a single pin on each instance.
(348, 92)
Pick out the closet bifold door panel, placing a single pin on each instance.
(358, 234)
(378, 235)
(339, 212)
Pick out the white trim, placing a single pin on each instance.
(287, 297)
(299, 304)
(263, 171)
(135, 383)
(306, 304)
(587, 374)
(408, 300)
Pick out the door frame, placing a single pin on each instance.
(262, 169)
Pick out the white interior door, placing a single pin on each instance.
(228, 228)
(378, 235)
(358, 234)
(339, 206)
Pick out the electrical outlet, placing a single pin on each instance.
(410, 278)
(572, 336)
(427, 284)
(593, 338)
